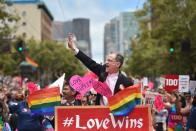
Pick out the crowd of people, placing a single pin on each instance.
(174, 112)
(15, 114)
(178, 112)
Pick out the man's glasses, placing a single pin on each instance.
(111, 61)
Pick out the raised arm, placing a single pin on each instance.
(86, 60)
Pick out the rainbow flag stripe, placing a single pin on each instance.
(122, 103)
(30, 61)
(43, 101)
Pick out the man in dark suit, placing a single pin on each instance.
(109, 72)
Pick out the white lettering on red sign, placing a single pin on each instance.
(171, 82)
(104, 123)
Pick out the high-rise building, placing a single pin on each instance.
(81, 28)
(111, 37)
(119, 32)
(68, 27)
(35, 19)
(128, 28)
(58, 31)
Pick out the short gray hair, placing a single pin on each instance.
(119, 58)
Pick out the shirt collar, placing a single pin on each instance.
(113, 74)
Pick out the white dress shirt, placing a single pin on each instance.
(111, 82)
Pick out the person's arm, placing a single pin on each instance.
(168, 105)
(186, 110)
(87, 61)
(178, 105)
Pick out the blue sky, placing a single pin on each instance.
(98, 11)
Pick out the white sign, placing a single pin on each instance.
(183, 83)
(162, 81)
(192, 87)
(145, 81)
(150, 97)
(58, 83)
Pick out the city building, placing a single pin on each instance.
(119, 32)
(80, 27)
(58, 33)
(60, 30)
(111, 37)
(35, 19)
(128, 28)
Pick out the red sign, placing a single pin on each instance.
(176, 118)
(77, 118)
(171, 83)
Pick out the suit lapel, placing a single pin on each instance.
(103, 76)
(118, 82)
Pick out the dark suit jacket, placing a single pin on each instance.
(99, 70)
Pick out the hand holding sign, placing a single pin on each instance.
(81, 84)
(102, 88)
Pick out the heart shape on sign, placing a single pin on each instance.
(81, 84)
(102, 88)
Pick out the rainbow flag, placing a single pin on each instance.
(122, 103)
(1, 123)
(30, 61)
(43, 101)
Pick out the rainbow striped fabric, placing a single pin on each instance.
(1, 123)
(30, 61)
(122, 103)
(43, 101)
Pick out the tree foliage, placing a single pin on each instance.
(8, 61)
(162, 22)
(54, 59)
(6, 17)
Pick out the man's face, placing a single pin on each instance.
(67, 92)
(84, 101)
(112, 66)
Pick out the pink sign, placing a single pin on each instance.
(84, 84)
(159, 105)
(81, 84)
(32, 87)
(102, 88)
(151, 85)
